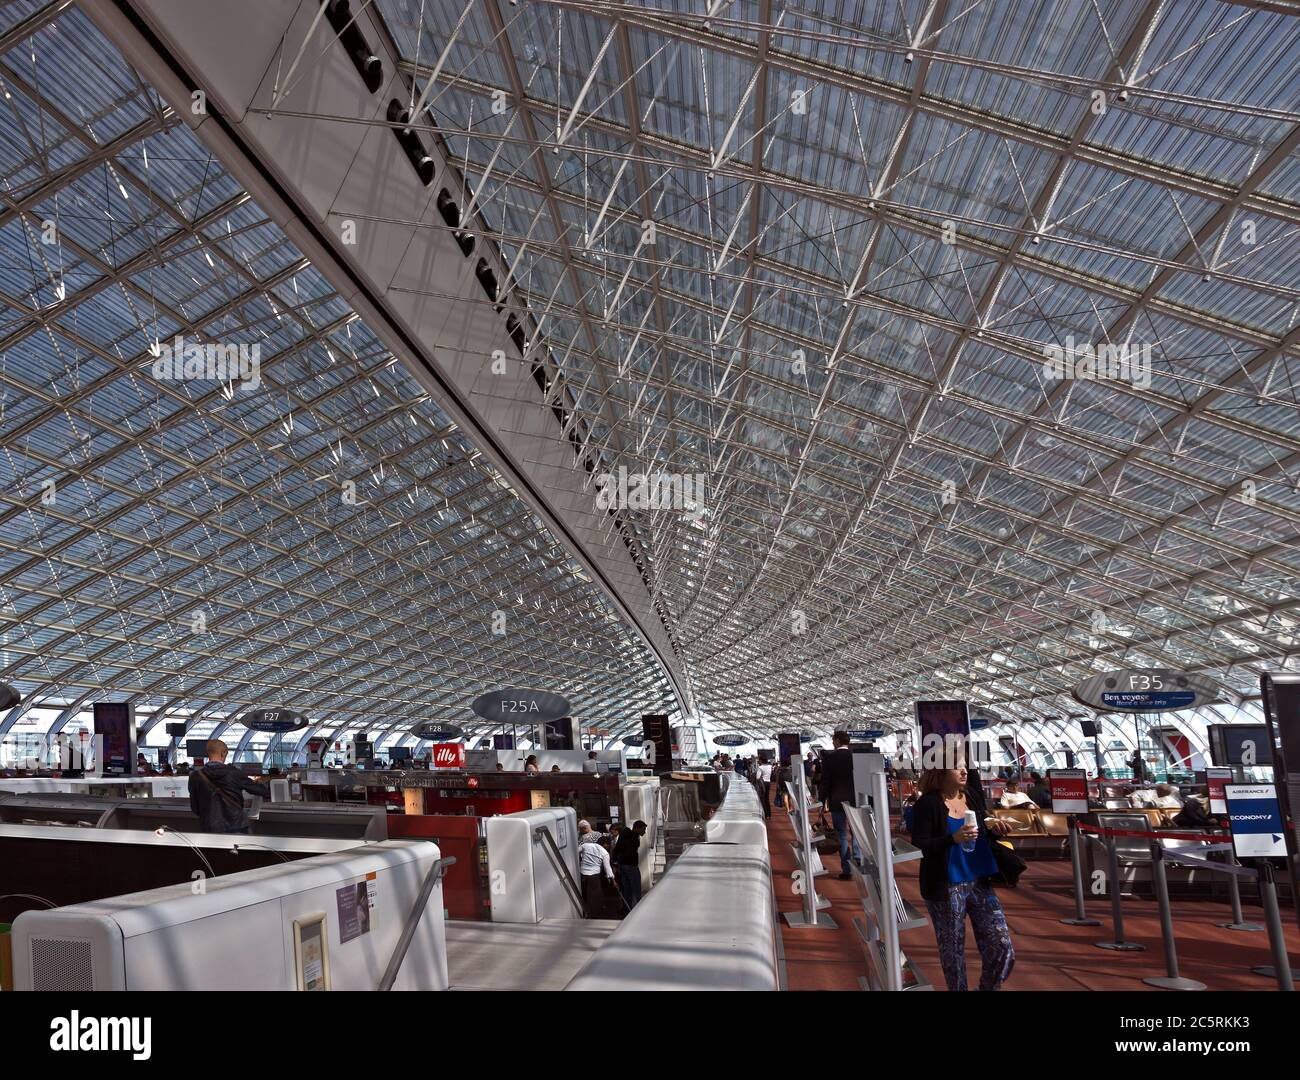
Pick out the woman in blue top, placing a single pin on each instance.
(955, 882)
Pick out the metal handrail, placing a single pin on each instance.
(431, 879)
(553, 853)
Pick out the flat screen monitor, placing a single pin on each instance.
(114, 723)
(1230, 743)
(196, 748)
(942, 718)
(399, 753)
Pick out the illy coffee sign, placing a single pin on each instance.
(449, 755)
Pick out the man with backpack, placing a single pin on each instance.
(836, 789)
(217, 792)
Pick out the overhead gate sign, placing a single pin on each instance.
(1147, 690)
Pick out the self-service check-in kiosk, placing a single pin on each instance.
(533, 865)
(641, 803)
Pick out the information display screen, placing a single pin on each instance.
(938, 720)
(115, 726)
(655, 730)
(787, 744)
(1240, 744)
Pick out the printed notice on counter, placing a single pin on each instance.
(356, 905)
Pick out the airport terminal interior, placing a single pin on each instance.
(561, 495)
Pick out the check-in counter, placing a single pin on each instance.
(125, 787)
(532, 878)
(709, 924)
(344, 822)
(65, 865)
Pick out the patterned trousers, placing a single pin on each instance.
(992, 937)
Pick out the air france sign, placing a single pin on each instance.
(1258, 831)
(1146, 691)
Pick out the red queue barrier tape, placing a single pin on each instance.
(1219, 838)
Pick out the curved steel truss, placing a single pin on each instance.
(871, 223)
(321, 536)
(821, 255)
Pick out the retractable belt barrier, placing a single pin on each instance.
(1171, 980)
(1098, 831)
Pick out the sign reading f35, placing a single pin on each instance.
(1145, 690)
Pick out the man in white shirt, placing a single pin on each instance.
(1013, 797)
(590, 765)
(593, 861)
(764, 782)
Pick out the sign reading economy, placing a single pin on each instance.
(1256, 820)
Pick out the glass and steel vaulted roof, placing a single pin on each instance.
(814, 253)
(326, 540)
(871, 219)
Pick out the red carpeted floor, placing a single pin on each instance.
(815, 959)
(1049, 954)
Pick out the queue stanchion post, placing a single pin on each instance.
(1076, 860)
(1171, 980)
(1234, 895)
(812, 915)
(1280, 969)
(1116, 908)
